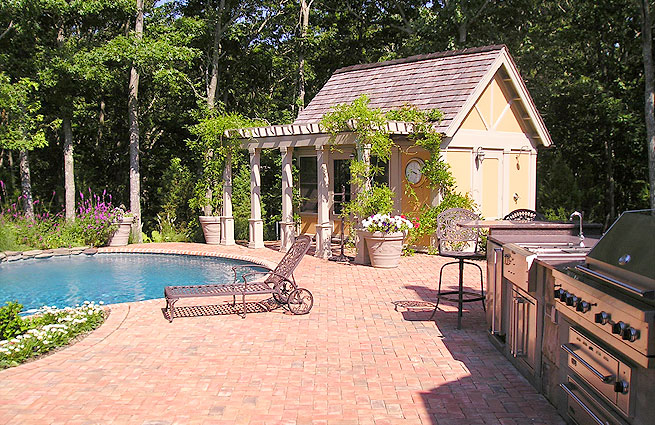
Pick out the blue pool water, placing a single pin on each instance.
(110, 278)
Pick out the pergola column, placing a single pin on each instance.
(256, 225)
(287, 226)
(227, 220)
(323, 225)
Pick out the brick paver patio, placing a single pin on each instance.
(353, 360)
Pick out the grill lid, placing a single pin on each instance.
(627, 253)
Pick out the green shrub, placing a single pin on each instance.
(11, 324)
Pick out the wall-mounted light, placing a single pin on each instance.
(479, 154)
(523, 148)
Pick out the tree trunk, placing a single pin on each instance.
(216, 55)
(26, 184)
(69, 169)
(133, 116)
(69, 164)
(304, 25)
(649, 94)
(212, 87)
(101, 121)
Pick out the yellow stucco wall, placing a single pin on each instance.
(460, 166)
(490, 187)
(492, 111)
(519, 180)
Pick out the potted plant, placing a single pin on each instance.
(384, 236)
(214, 146)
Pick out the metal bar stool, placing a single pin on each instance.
(462, 244)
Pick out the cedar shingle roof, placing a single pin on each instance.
(443, 80)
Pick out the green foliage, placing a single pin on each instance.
(425, 135)
(377, 200)
(167, 232)
(425, 218)
(368, 124)
(21, 124)
(212, 144)
(11, 323)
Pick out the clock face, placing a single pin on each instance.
(413, 172)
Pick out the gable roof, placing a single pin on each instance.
(449, 81)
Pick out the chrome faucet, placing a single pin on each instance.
(579, 215)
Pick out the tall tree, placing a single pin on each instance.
(303, 22)
(649, 93)
(133, 117)
(21, 129)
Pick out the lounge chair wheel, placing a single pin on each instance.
(282, 296)
(300, 301)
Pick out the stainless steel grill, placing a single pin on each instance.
(609, 303)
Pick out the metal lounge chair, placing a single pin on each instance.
(279, 282)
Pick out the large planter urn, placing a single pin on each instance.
(122, 233)
(384, 249)
(211, 228)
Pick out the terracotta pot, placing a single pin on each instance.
(122, 233)
(384, 249)
(211, 228)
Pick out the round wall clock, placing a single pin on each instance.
(413, 172)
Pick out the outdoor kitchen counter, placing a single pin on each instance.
(532, 228)
(540, 238)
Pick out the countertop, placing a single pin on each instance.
(517, 224)
(545, 239)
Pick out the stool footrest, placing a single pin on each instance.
(476, 296)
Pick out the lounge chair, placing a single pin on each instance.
(279, 282)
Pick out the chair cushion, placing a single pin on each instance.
(467, 255)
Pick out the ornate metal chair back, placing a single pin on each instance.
(291, 259)
(452, 237)
(523, 214)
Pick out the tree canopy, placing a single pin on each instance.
(581, 60)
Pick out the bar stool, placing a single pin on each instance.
(462, 244)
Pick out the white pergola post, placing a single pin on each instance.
(256, 225)
(227, 220)
(323, 225)
(287, 226)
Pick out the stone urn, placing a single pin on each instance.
(384, 249)
(122, 233)
(211, 228)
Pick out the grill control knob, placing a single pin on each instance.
(619, 328)
(603, 318)
(621, 387)
(563, 296)
(630, 334)
(583, 307)
(573, 301)
(558, 293)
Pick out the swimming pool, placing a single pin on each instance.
(110, 278)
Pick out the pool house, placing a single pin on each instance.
(491, 134)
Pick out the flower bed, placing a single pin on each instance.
(46, 330)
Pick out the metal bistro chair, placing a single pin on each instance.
(523, 214)
(460, 243)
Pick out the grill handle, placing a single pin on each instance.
(581, 404)
(599, 375)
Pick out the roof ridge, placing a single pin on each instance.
(418, 58)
